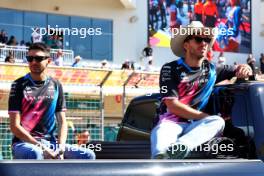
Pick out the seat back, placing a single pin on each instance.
(139, 118)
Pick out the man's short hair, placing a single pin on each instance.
(40, 46)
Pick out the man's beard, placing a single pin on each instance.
(37, 71)
(197, 56)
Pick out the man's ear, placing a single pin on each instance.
(49, 61)
(185, 45)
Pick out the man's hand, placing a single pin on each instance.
(60, 152)
(60, 157)
(243, 71)
(49, 154)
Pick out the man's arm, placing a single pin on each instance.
(169, 94)
(62, 129)
(227, 72)
(183, 110)
(14, 111)
(61, 119)
(19, 131)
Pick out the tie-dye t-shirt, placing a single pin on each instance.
(178, 81)
(37, 102)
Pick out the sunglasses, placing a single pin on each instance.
(201, 39)
(36, 58)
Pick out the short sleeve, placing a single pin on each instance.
(61, 104)
(15, 98)
(168, 81)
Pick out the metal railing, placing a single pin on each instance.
(20, 53)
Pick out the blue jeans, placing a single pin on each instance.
(190, 134)
(24, 150)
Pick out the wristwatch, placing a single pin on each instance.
(61, 151)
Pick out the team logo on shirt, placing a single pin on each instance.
(183, 74)
(28, 90)
(51, 89)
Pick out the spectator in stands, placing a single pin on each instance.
(126, 65)
(77, 60)
(132, 65)
(57, 42)
(148, 53)
(261, 61)
(104, 64)
(2, 45)
(28, 44)
(10, 59)
(251, 61)
(59, 58)
(22, 45)
(48, 39)
(12, 41)
(221, 60)
(149, 66)
(60, 42)
(36, 101)
(3, 37)
(83, 137)
(36, 36)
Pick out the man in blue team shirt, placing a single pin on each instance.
(36, 101)
(185, 86)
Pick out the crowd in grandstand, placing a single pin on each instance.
(104, 64)
(10, 58)
(55, 42)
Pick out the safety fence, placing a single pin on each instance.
(96, 99)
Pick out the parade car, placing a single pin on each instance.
(240, 104)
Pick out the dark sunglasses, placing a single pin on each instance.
(201, 39)
(36, 58)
